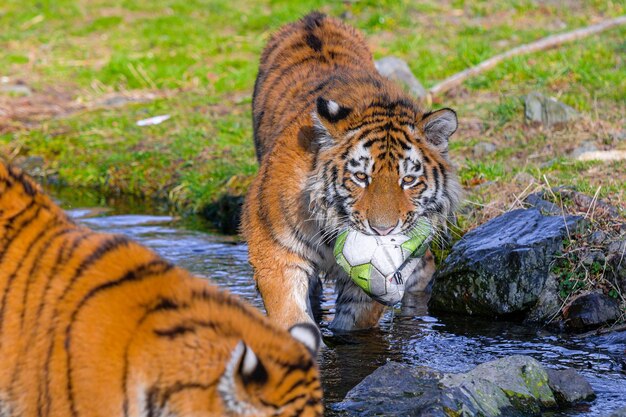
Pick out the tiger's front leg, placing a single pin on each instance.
(283, 279)
(354, 309)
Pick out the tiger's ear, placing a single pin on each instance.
(326, 115)
(309, 335)
(331, 110)
(245, 366)
(438, 127)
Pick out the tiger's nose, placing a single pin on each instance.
(383, 231)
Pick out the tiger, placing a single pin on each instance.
(339, 146)
(95, 324)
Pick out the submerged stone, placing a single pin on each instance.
(569, 386)
(590, 311)
(512, 386)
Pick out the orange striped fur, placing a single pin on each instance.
(338, 146)
(93, 324)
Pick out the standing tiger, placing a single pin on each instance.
(94, 325)
(338, 146)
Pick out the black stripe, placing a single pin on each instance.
(150, 269)
(7, 241)
(113, 243)
(34, 270)
(13, 275)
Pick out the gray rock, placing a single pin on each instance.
(536, 200)
(16, 89)
(593, 256)
(548, 304)
(619, 136)
(569, 386)
(524, 178)
(500, 267)
(586, 202)
(547, 111)
(617, 248)
(512, 386)
(399, 390)
(590, 311)
(397, 70)
(586, 146)
(597, 237)
(616, 270)
(522, 379)
(483, 148)
(33, 165)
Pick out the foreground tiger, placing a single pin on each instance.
(96, 325)
(338, 146)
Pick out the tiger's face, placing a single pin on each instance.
(272, 377)
(385, 166)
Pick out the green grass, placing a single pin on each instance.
(201, 57)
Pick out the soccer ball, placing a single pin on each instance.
(380, 264)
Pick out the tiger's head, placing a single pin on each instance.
(229, 365)
(381, 166)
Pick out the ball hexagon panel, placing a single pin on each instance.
(388, 258)
(359, 248)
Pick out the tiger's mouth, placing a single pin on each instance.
(400, 228)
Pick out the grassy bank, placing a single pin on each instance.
(92, 69)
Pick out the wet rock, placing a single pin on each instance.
(397, 70)
(548, 304)
(522, 379)
(590, 311)
(512, 386)
(569, 386)
(547, 111)
(500, 267)
(483, 148)
(536, 200)
(399, 390)
(225, 213)
(586, 146)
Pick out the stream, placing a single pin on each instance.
(408, 334)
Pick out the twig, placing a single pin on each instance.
(542, 44)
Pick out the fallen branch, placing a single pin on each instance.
(540, 45)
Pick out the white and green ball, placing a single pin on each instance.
(379, 264)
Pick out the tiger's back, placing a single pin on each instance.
(301, 62)
(339, 146)
(93, 324)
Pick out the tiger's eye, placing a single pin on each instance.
(408, 180)
(361, 176)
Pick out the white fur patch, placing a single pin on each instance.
(307, 336)
(333, 108)
(323, 138)
(227, 387)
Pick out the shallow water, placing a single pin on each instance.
(409, 335)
